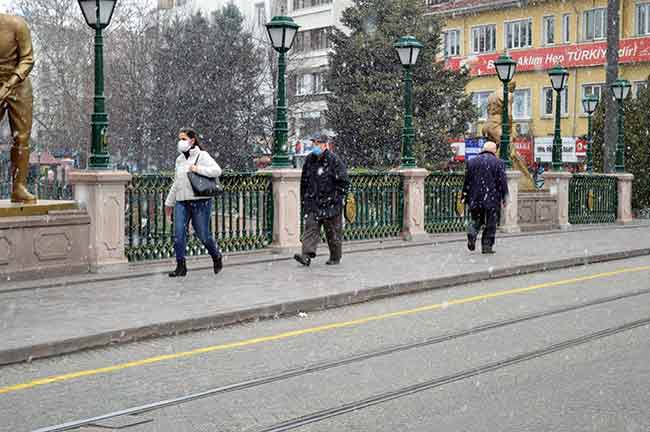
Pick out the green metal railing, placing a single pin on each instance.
(443, 210)
(593, 199)
(45, 184)
(242, 216)
(380, 206)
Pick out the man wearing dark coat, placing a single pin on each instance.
(323, 187)
(484, 191)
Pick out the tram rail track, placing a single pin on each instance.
(384, 397)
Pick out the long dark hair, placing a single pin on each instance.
(191, 133)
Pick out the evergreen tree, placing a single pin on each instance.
(209, 76)
(637, 142)
(366, 102)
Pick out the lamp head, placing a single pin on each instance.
(621, 89)
(559, 77)
(589, 104)
(97, 13)
(506, 68)
(408, 48)
(282, 31)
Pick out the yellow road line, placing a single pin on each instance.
(311, 330)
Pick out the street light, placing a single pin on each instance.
(98, 14)
(559, 77)
(589, 104)
(506, 68)
(282, 31)
(408, 48)
(620, 88)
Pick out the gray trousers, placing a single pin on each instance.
(333, 234)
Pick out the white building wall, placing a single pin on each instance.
(309, 109)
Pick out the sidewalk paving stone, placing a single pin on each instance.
(62, 317)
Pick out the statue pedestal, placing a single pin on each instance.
(43, 239)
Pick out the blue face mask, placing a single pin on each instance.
(317, 151)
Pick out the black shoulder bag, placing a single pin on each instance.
(204, 186)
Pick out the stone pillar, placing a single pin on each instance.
(510, 214)
(102, 194)
(624, 185)
(413, 228)
(286, 209)
(557, 183)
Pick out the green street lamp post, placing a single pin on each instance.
(98, 14)
(559, 77)
(408, 48)
(620, 88)
(506, 68)
(589, 104)
(282, 31)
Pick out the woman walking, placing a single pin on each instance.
(186, 206)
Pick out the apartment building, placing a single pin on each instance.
(310, 62)
(539, 35)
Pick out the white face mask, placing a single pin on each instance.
(184, 146)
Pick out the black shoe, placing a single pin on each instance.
(333, 262)
(218, 264)
(471, 242)
(181, 269)
(302, 259)
(488, 251)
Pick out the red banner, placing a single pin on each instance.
(569, 56)
(524, 146)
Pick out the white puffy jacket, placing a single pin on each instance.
(182, 190)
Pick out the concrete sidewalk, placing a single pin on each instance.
(50, 317)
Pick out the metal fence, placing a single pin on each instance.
(45, 184)
(242, 216)
(443, 210)
(379, 200)
(593, 199)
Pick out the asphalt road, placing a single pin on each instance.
(506, 355)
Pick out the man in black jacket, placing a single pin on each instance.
(485, 190)
(323, 187)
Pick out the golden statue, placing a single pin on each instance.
(493, 131)
(16, 62)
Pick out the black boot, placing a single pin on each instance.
(471, 242)
(181, 269)
(218, 264)
(302, 259)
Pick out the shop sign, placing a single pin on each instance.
(544, 149)
(570, 56)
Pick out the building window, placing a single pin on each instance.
(480, 101)
(319, 39)
(639, 86)
(436, 2)
(312, 40)
(592, 90)
(548, 101)
(548, 35)
(519, 34)
(303, 4)
(318, 84)
(260, 14)
(303, 85)
(484, 39)
(452, 43)
(643, 19)
(595, 23)
(566, 28)
(521, 104)
(300, 42)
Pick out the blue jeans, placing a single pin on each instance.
(198, 211)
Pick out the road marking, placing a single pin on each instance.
(311, 330)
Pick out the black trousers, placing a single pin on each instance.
(333, 234)
(486, 219)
